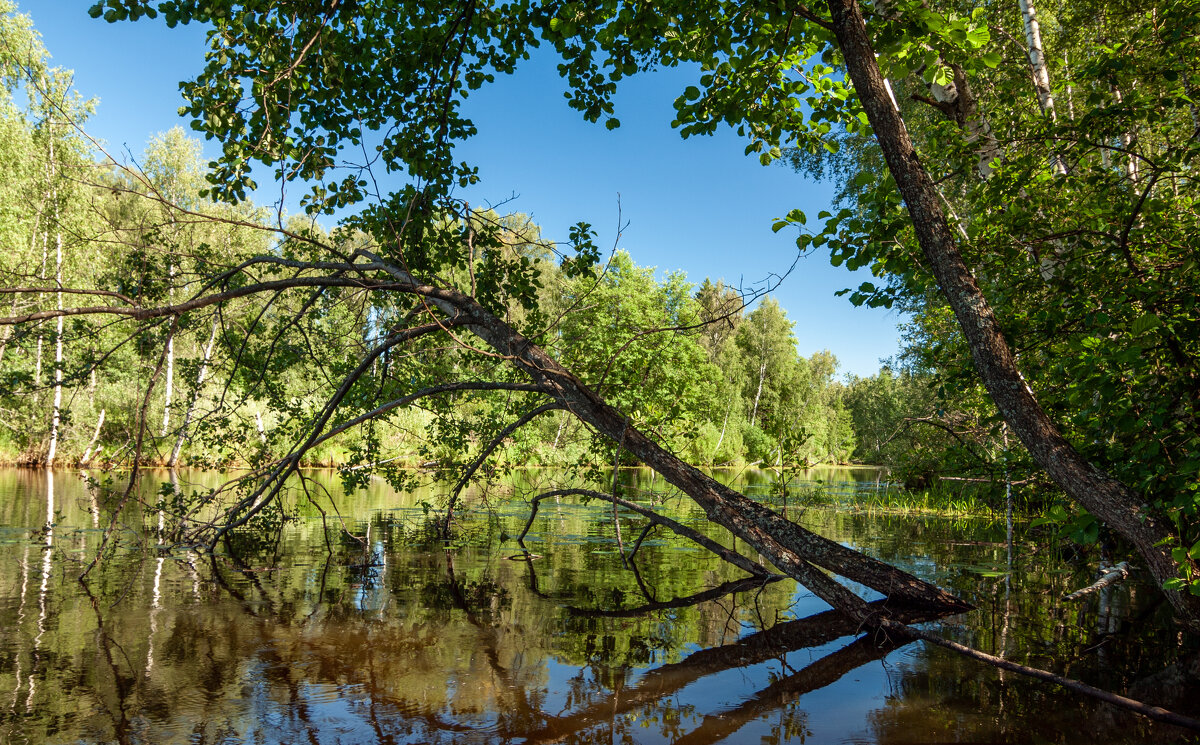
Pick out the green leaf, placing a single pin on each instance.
(1145, 322)
(978, 36)
(991, 59)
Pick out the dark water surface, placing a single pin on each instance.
(321, 638)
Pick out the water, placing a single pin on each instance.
(393, 637)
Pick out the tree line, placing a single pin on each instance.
(1047, 251)
(721, 384)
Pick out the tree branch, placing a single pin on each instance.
(693, 535)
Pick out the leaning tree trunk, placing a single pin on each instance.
(1104, 496)
(797, 552)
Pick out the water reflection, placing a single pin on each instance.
(391, 638)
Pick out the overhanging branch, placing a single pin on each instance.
(695, 536)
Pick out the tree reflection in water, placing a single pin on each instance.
(392, 639)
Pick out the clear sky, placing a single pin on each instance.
(697, 205)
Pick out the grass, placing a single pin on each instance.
(945, 501)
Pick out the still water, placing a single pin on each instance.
(361, 627)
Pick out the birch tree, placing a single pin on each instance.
(786, 76)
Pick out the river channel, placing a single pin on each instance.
(363, 627)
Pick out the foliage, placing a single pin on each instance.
(1076, 224)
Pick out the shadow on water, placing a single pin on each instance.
(380, 634)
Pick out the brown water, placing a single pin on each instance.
(401, 639)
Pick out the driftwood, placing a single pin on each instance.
(1108, 576)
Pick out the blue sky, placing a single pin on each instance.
(697, 205)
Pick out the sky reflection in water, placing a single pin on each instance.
(406, 641)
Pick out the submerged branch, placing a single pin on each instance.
(1157, 713)
(695, 536)
(726, 588)
(1110, 576)
(486, 453)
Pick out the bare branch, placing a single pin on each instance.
(695, 536)
(487, 451)
(432, 391)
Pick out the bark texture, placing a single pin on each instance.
(1104, 496)
(797, 552)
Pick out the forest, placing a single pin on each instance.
(721, 382)
(1019, 180)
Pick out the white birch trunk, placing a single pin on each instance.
(1131, 161)
(724, 423)
(56, 414)
(187, 417)
(762, 374)
(87, 454)
(56, 410)
(1041, 73)
(37, 366)
(562, 423)
(169, 385)
(258, 424)
(1070, 89)
(1037, 57)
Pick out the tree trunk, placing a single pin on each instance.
(187, 418)
(724, 423)
(56, 412)
(1131, 161)
(1104, 496)
(762, 374)
(169, 383)
(794, 550)
(1041, 73)
(562, 423)
(87, 454)
(1037, 57)
(37, 366)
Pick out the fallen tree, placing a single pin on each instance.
(322, 76)
(445, 312)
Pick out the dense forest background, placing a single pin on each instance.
(1059, 144)
(720, 381)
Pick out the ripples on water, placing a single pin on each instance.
(409, 641)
